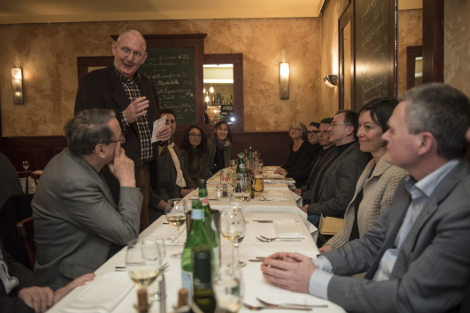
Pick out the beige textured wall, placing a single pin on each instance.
(410, 33)
(457, 44)
(48, 53)
(329, 96)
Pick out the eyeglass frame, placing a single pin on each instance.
(194, 135)
(313, 132)
(297, 129)
(137, 55)
(123, 140)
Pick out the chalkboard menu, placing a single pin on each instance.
(172, 72)
(375, 64)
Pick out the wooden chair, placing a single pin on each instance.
(36, 177)
(26, 233)
(26, 175)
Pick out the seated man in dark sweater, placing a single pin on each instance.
(334, 181)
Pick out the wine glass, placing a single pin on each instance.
(232, 226)
(238, 263)
(26, 165)
(228, 289)
(176, 215)
(225, 176)
(154, 255)
(143, 262)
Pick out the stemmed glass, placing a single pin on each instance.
(232, 226)
(176, 215)
(26, 165)
(238, 263)
(143, 262)
(225, 175)
(228, 288)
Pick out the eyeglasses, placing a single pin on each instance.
(123, 140)
(194, 135)
(127, 52)
(313, 132)
(296, 129)
(334, 124)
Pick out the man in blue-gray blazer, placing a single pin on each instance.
(416, 254)
(77, 224)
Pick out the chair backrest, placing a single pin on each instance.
(26, 233)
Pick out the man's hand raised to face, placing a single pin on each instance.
(122, 167)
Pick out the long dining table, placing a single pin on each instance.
(113, 291)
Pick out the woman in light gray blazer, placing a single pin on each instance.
(378, 182)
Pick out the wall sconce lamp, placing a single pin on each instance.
(331, 80)
(284, 81)
(17, 85)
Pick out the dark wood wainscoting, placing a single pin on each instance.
(273, 146)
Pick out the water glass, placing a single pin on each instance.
(228, 288)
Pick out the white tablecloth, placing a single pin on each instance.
(255, 285)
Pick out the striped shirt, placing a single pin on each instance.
(131, 87)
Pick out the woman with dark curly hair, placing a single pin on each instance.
(219, 147)
(193, 147)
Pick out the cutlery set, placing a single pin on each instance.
(283, 306)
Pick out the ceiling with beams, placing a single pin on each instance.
(56, 11)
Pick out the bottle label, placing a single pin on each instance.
(204, 201)
(242, 165)
(187, 282)
(197, 214)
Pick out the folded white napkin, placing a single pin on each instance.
(167, 234)
(275, 176)
(102, 295)
(288, 229)
(276, 195)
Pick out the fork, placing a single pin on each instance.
(259, 308)
(293, 304)
(279, 239)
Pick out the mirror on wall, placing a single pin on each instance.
(414, 66)
(223, 90)
(218, 93)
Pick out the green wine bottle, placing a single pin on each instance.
(202, 282)
(208, 221)
(197, 237)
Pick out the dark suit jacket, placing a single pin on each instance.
(103, 89)
(25, 278)
(9, 182)
(339, 183)
(432, 269)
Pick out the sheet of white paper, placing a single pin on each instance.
(157, 125)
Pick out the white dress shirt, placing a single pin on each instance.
(179, 173)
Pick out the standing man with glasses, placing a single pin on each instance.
(133, 98)
(77, 224)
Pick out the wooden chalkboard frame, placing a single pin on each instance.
(392, 43)
(346, 17)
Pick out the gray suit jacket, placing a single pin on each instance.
(338, 183)
(76, 222)
(432, 268)
(190, 184)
